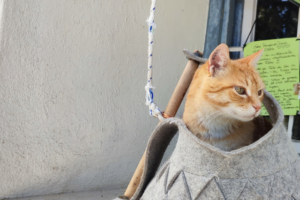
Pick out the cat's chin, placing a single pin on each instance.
(249, 118)
(245, 118)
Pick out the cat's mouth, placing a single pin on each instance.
(245, 118)
(256, 114)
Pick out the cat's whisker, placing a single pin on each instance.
(213, 117)
(222, 96)
(219, 115)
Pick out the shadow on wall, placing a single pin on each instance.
(73, 179)
(74, 173)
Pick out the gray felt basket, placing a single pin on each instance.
(266, 169)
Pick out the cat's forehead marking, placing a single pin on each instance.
(252, 79)
(248, 82)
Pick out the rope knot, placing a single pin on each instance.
(153, 109)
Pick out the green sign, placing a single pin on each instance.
(279, 69)
(297, 2)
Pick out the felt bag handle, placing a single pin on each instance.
(157, 145)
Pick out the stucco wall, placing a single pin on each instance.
(72, 77)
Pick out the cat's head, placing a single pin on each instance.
(230, 87)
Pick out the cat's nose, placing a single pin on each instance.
(257, 107)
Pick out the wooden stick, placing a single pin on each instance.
(171, 110)
(181, 88)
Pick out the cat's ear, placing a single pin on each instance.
(254, 58)
(218, 59)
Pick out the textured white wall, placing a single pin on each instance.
(72, 76)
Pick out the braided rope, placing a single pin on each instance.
(153, 109)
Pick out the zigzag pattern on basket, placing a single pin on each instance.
(172, 183)
(267, 169)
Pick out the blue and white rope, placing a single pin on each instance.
(153, 109)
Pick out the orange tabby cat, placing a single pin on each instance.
(224, 99)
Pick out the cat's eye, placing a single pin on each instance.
(259, 92)
(240, 90)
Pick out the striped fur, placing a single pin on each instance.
(214, 111)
